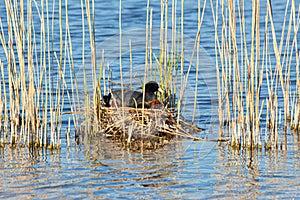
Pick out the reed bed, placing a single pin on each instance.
(34, 86)
(244, 71)
(38, 74)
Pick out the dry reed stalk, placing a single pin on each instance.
(130, 64)
(258, 79)
(151, 75)
(90, 13)
(3, 108)
(120, 52)
(146, 44)
(287, 115)
(250, 82)
(277, 56)
(120, 59)
(73, 79)
(162, 49)
(165, 44)
(200, 20)
(38, 79)
(85, 9)
(197, 65)
(217, 51)
(236, 76)
(146, 59)
(243, 76)
(252, 79)
(173, 48)
(181, 53)
(296, 114)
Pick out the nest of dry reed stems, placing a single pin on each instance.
(142, 129)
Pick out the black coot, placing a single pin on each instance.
(133, 98)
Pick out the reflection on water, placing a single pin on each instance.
(253, 174)
(184, 169)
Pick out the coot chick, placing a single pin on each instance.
(133, 98)
(106, 100)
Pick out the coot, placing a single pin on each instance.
(133, 98)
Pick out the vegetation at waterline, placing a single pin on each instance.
(38, 75)
(244, 71)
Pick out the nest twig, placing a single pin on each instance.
(140, 129)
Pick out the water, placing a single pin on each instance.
(184, 169)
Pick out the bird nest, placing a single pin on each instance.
(141, 129)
